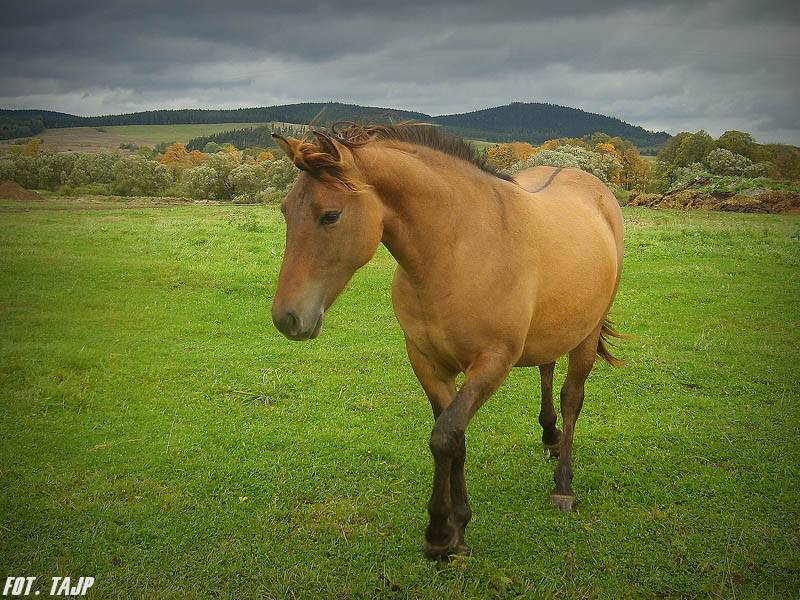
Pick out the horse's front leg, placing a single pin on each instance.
(448, 507)
(439, 385)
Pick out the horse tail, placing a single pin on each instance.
(606, 332)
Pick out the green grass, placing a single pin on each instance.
(155, 134)
(158, 434)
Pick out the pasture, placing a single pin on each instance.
(93, 139)
(158, 434)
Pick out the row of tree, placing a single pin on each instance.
(780, 160)
(615, 161)
(698, 156)
(221, 172)
(20, 126)
(228, 175)
(247, 137)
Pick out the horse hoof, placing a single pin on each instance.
(444, 552)
(562, 502)
(551, 449)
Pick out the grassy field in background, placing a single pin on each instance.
(92, 139)
(158, 434)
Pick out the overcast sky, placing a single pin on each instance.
(669, 65)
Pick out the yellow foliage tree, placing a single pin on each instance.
(501, 155)
(175, 153)
(550, 145)
(196, 158)
(606, 148)
(634, 170)
(521, 150)
(32, 147)
(266, 155)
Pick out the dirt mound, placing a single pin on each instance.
(780, 202)
(14, 191)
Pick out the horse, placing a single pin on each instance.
(493, 272)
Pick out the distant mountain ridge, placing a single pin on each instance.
(520, 121)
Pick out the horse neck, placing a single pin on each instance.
(428, 198)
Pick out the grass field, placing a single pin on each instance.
(90, 139)
(159, 435)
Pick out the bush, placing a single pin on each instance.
(247, 181)
(134, 175)
(92, 168)
(55, 168)
(724, 162)
(760, 169)
(201, 183)
(603, 166)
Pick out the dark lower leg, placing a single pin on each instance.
(461, 513)
(449, 506)
(581, 361)
(551, 436)
(562, 495)
(440, 532)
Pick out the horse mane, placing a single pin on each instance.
(354, 135)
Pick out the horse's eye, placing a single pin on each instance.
(329, 218)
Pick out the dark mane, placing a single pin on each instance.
(354, 135)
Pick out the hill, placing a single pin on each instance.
(529, 122)
(536, 123)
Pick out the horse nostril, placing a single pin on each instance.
(292, 323)
(288, 323)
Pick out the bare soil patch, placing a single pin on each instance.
(14, 191)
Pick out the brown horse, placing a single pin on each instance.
(491, 274)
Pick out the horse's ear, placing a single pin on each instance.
(338, 151)
(288, 145)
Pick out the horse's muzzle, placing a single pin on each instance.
(297, 328)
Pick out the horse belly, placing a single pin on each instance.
(572, 299)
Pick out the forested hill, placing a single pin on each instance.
(324, 112)
(536, 123)
(528, 122)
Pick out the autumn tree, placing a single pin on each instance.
(265, 156)
(521, 150)
(32, 147)
(196, 158)
(175, 153)
(501, 155)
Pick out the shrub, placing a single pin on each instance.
(281, 174)
(724, 162)
(134, 175)
(247, 181)
(603, 166)
(760, 169)
(201, 183)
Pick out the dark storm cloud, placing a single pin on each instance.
(670, 65)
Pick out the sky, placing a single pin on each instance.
(670, 65)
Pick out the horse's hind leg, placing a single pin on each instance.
(551, 435)
(581, 360)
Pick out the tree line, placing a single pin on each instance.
(248, 137)
(615, 161)
(214, 168)
(735, 154)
